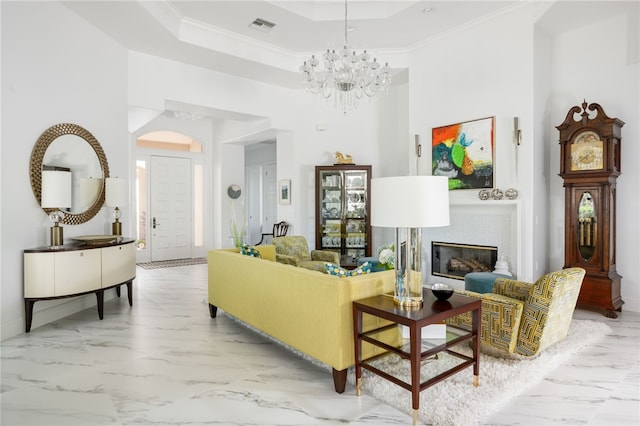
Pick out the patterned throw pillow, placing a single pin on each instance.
(247, 250)
(337, 270)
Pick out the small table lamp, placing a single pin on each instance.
(56, 194)
(116, 194)
(411, 202)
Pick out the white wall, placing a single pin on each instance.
(51, 75)
(476, 73)
(603, 71)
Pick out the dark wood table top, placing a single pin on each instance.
(432, 310)
(80, 245)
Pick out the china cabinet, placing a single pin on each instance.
(590, 144)
(342, 211)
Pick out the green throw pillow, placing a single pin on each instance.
(247, 250)
(337, 270)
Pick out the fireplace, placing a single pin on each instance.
(453, 260)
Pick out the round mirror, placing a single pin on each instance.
(71, 148)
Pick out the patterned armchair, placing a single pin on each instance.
(522, 318)
(294, 250)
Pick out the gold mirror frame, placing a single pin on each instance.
(35, 168)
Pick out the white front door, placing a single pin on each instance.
(171, 216)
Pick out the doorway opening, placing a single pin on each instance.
(261, 189)
(169, 196)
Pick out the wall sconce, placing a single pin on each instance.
(116, 195)
(56, 194)
(517, 133)
(408, 204)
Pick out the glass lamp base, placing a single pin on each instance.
(408, 302)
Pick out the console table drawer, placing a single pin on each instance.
(77, 272)
(39, 278)
(118, 264)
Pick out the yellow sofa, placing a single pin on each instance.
(307, 310)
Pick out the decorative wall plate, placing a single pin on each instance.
(497, 194)
(484, 194)
(234, 192)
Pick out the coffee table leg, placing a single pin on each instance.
(357, 345)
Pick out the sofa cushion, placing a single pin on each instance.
(313, 265)
(337, 270)
(247, 250)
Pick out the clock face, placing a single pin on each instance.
(587, 152)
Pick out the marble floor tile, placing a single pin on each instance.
(166, 362)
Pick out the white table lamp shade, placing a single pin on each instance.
(116, 192)
(56, 189)
(88, 191)
(410, 202)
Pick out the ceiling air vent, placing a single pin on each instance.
(262, 25)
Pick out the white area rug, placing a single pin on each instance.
(455, 401)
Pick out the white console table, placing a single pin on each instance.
(77, 269)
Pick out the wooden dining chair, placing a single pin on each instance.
(280, 229)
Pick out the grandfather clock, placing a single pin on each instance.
(590, 165)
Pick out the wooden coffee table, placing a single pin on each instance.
(433, 311)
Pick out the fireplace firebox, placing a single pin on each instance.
(453, 260)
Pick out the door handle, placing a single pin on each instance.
(154, 223)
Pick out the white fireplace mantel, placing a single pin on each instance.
(489, 222)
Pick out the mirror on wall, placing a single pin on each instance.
(70, 147)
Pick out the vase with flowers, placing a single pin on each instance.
(238, 228)
(387, 256)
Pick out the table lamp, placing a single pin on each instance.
(408, 204)
(116, 195)
(56, 195)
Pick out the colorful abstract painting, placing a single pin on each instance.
(464, 153)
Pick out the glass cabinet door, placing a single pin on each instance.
(356, 219)
(331, 198)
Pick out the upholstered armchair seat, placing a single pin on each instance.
(523, 318)
(294, 250)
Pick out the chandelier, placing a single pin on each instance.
(345, 76)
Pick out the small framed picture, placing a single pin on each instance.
(284, 191)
